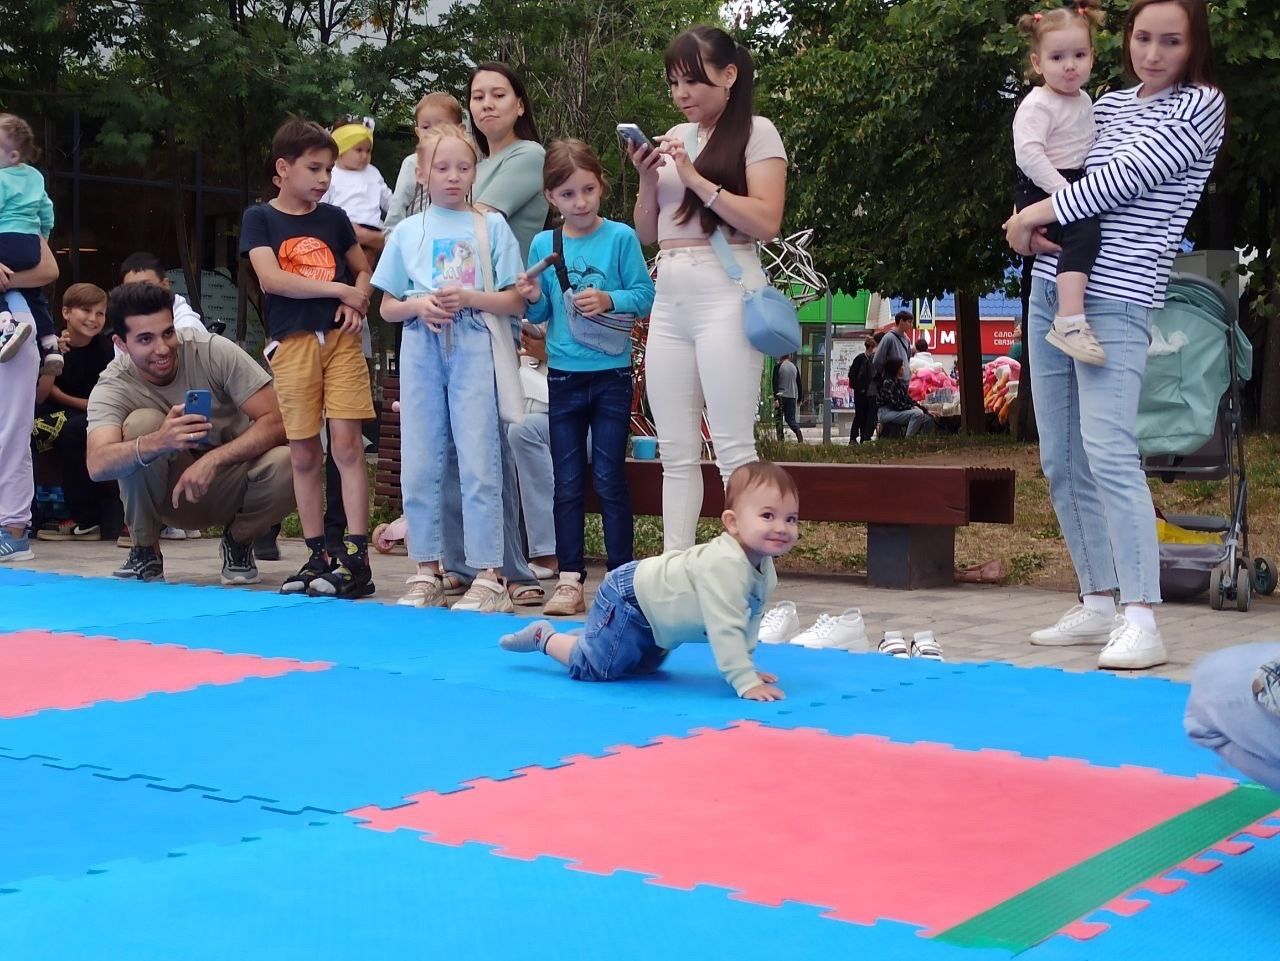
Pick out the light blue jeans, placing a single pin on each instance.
(531, 444)
(1223, 715)
(1087, 417)
(448, 387)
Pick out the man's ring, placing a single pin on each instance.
(191, 437)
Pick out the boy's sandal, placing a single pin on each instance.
(527, 595)
(926, 647)
(453, 583)
(893, 646)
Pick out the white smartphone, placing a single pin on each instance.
(633, 135)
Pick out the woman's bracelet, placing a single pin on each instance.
(710, 201)
(640, 206)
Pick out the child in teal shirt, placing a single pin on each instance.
(26, 216)
(589, 299)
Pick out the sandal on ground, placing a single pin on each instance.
(924, 645)
(453, 584)
(527, 595)
(893, 645)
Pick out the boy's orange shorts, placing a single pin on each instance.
(315, 380)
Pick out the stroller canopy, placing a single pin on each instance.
(1189, 367)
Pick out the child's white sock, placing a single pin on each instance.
(1143, 617)
(49, 342)
(531, 637)
(1102, 603)
(1062, 320)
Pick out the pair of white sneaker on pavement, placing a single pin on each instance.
(1127, 646)
(844, 632)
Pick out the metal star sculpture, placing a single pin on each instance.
(789, 266)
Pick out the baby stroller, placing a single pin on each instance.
(1189, 428)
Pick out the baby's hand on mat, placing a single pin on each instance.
(767, 678)
(763, 692)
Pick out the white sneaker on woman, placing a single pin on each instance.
(1132, 648)
(1080, 625)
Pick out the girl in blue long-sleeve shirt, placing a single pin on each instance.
(589, 300)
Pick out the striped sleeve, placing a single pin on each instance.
(1169, 150)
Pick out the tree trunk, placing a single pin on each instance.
(179, 202)
(969, 344)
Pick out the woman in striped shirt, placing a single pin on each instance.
(1144, 175)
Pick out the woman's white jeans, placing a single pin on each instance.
(698, 355)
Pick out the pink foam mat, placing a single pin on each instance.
(41, 671)
(920, 833)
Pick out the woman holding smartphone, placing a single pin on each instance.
(725, 169)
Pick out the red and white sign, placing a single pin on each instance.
(997, 336)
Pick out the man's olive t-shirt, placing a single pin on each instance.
(206, 361)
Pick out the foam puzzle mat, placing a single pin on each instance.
(197, 772)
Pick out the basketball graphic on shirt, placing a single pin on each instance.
(308, 257)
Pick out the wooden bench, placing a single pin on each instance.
(911, 511)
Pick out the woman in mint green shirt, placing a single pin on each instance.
(509, 178)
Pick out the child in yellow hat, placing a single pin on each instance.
(357, 186)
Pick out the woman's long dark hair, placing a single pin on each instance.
(525, 129)
(723, 160)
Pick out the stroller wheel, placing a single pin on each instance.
(1217, 593)
(1244, 589)
(1264, 575)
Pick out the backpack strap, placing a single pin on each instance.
(557, 246)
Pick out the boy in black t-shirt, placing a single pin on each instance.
(61, 403)
(315, 282)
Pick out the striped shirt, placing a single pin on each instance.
(1145, 174)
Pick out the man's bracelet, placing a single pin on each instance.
(137, 453)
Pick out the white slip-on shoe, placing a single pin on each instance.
(846, 632)
(1080, 625)
(1132, 649)
(779, 624)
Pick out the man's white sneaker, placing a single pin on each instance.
(846, 632)
(1080, 625)
(1132, 649)
(779, 624)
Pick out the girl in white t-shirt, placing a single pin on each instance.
(433, 272)
(1052, 133)
(697, 352)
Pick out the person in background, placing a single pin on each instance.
(893, 343)
(864, 401)
(62, 415)
(786, 392)
(409, 197)
(896, 405)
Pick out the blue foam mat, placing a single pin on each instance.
(334, 739)
(62, 823)
(1226, 915)
(340, 892)
(67, 602)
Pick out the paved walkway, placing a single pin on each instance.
(972, 622)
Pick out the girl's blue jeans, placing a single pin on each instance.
(598, 401)
(1087, 418)
(447, 383)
